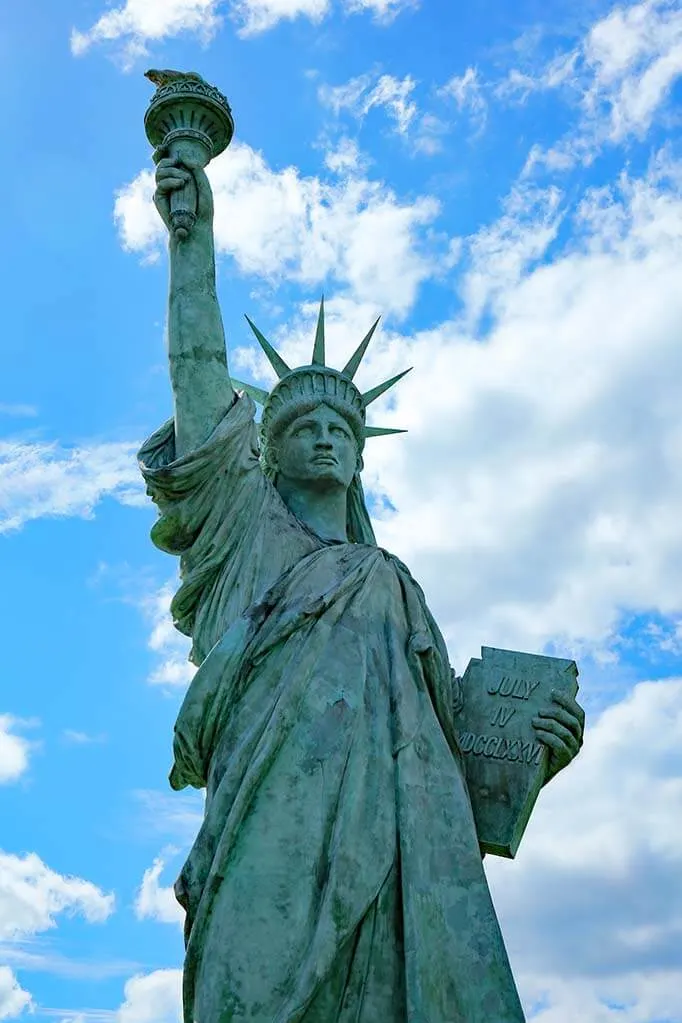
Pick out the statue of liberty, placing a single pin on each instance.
(337, 876)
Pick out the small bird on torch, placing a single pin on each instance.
(166, 76)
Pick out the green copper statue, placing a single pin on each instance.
(337, 875)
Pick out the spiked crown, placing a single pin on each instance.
(301, 389)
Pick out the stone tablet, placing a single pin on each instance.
(505, 762)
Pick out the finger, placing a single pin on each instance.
(570, 704)
(565, 717)
(559, 752)
(165, 173)
(168, 167)
(556, 728)
(163, 194)
(170, 185)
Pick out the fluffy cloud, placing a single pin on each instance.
(155, 901)
(384, 11)
(420, 131)
(171, 646)
(32, 895)
(618, 77)
(13, 999)
(592, 905)
(136, 24)
(344, 157)
(636, 55)
(537, 493)
(361, 94)
(356, 232)
(39, 479)
(14, 750)
(260, 15)
(500, 255)
(467, 92)
(153, 998)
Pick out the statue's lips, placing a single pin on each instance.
(324, 460)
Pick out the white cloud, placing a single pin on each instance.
(40, 479)
(394, 94)
(355, 232)
(559, 72)
(636, 55)
(421, 132)
(153, 998)
(139, 22)
(361, 94)
(538, 489)
(257, 16)
(14, 1001)
(345, 157)
(14, 750)
(155, 901)
(171, 646)
(384, 11)
(135, 24)
(618, 77)
(500, 255)
(592, 906)
(32, 895)
(467, 92)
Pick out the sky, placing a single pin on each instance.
(502, 183)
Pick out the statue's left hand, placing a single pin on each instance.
(561, 728)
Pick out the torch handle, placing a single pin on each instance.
(183, 210)
(183, 201)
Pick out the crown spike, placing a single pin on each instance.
(318, 348)
(351, 367)
(257, 393)
(380, 431)
(370, 396)
(276, 361)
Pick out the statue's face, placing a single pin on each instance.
(318, 448)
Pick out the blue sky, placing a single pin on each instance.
(502, 183)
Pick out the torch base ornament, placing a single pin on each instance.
(187, 118)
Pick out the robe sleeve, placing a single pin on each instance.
(215, 507)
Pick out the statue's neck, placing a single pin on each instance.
(322, 511)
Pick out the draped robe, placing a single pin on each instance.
(337, 874)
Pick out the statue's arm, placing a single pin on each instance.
(202, 389)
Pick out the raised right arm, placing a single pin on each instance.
(202, 389)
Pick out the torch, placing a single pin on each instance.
(187, 119)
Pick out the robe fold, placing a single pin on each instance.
(337, 876)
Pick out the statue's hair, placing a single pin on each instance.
(287, 414)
